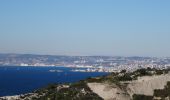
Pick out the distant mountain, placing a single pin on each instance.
(31, 59)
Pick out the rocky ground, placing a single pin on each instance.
(143, 84)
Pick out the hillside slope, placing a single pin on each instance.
(143, 84)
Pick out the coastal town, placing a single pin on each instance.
(85, 63)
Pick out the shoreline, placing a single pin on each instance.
(53, 71)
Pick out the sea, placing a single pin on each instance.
(15, 80)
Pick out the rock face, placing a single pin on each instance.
(10, 98)
(147, 84)
(143, 86)
(28, 96)
(108, 92)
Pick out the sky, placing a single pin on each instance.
(85, 27)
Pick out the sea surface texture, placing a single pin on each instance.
(19, 80)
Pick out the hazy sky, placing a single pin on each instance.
(85, 27)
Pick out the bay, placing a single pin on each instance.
(15, 80)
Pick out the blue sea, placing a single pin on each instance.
(19, 80)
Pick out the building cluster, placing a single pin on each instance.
(90, 63)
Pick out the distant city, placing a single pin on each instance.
(90, 63)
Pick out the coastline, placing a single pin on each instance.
(37, 77)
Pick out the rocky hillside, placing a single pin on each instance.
(143, 84)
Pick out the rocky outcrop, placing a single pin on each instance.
(147, 84)
(142, 86)
(108, 91)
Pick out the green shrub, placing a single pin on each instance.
(125, 77)
(142, 97)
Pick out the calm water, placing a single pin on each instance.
(19, 80)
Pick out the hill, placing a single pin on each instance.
(142, 84)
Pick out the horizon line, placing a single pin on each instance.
(80, 55)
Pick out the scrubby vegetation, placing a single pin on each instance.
(163, 93)
(142, 97)
(123, 76)
(80, 90)
(115, 77)
(74, 91)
